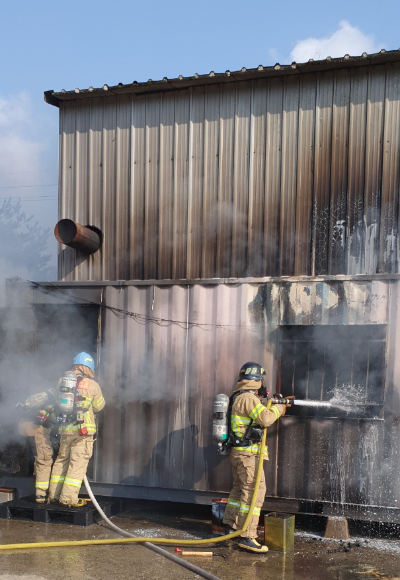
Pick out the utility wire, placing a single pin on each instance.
(24, 172)
(140, 318)
(34, 198)
(19, 186)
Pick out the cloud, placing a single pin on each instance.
(346, 40)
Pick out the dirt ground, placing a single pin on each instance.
(361, 558)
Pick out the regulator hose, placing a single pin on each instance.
(143, 540)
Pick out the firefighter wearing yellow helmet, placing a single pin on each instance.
(80, 399)
(248, 419)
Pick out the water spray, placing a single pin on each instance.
(301, 403)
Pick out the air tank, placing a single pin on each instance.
(220, 418)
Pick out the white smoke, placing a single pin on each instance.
(26, 170)
(346, 39)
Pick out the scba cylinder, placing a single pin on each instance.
(67, 392)
(220, 418)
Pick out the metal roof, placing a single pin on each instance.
(53, 98)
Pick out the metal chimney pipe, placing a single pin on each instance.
(83, 238)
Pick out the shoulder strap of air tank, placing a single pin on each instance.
(231, 401)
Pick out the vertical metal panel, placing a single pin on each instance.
(356, 172)
(373, 168)
(305, 175)
(273, 176)
(288, 176)
(179, 241)
(225, 180)
(137, 197)
(95, 174)
(81, 180)
(322, 172)
(167, 120)
(255, 221)
(67, 184)
(210, 181)
(240, 190)
(338, 197)
(151, 215)
(122, 186)
(195, 181)
(109, 192)
(389, 249)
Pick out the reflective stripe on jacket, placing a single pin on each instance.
(247, 408)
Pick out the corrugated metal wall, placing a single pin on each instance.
(282, 176)
(160, 378)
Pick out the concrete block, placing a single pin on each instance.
(337, 528)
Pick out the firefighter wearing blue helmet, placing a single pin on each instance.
(80, 399)
(248, 419)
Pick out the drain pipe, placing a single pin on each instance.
(149, 545)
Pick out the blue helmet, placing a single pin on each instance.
(83, 358)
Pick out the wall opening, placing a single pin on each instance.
(330, 362)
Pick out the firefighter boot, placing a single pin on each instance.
(251, 545)
(229, 530)
(40, 498)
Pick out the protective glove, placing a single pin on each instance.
(281, 409)
(43, 416)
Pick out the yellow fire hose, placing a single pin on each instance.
(165, 541)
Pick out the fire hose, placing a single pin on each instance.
(150, 542)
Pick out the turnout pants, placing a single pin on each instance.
(244, 468)
(43, 452)
(70, 467)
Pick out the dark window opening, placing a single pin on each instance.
(324, 362)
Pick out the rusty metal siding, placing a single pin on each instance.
(276, 176)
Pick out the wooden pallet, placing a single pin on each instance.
(26, 508)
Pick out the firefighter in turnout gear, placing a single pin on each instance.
(248, 418)
(77, 430)
(38, 420)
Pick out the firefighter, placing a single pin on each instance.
(247, 411)
(77, 435)
(38, 431)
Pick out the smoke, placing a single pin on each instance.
(38, 346)
(28, 194)
(340, 364)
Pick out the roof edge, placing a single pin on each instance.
(166, 85)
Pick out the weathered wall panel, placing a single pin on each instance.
(167, 350)
(281, 176)
(163, 369)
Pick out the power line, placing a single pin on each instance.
(24, 172)
(139, 318)
(18, 186)
(35, 198)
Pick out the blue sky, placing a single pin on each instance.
(54, 45)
